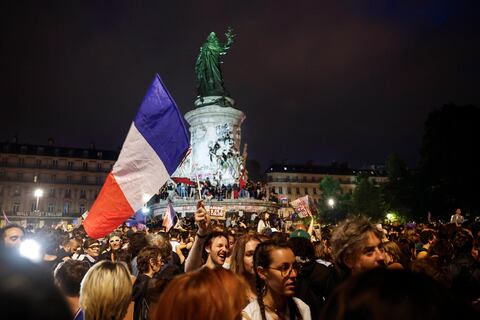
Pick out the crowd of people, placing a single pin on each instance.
(356, 269)
(217, 191)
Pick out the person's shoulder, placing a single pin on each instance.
(303, 308)
(252, 311)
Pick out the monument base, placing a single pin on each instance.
(215, 136)
(187, 207)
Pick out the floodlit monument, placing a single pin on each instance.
(215, 123)
(215, 130)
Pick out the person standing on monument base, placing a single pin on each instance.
(457, 218)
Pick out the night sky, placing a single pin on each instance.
(345, 81)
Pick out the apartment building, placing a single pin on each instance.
(42, 184)
(295, 181)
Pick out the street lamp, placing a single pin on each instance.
(38, 194)
(331, 202)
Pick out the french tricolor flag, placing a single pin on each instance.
(155, 146)
(170, 218)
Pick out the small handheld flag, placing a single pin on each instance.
(155, 145)
(170, 218)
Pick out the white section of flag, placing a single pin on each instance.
(138, 171)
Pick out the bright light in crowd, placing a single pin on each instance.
(145, 210)
(30, 249)
(38, 193)
(392, 217)
(331, 202)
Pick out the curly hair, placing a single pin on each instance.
(68, 276)
(348, 237)
(144, 257)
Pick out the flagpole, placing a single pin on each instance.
(198, 186)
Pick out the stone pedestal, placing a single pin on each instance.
(215, 132)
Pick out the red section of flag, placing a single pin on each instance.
(109, 211)
(183, 180)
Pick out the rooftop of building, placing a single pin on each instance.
(333, 169)
(52, 150)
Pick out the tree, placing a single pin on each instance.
(397, 192)
(330, 189)
(254, 170)
(448, 167)
(366, 198)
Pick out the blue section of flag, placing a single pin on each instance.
(159, 122)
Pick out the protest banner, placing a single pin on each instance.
(216, 212)
(304, 206)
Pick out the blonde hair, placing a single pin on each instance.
(106, 291)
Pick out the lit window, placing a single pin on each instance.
(16, 206)
(66, 207)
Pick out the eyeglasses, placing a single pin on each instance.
(286, 269)
(114, 240)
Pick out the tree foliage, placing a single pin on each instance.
(331, 189)
(366, 198)
(449, 172)
(397, 192)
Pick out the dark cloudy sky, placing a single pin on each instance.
(318, 80)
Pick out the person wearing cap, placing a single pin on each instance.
(91, 251)
(300, 233)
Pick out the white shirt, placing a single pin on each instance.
(252, 311)
(174, 244)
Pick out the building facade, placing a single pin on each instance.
(46, 184)
(294, 181)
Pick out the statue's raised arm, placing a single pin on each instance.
(207, 67)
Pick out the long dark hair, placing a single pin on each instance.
(262, 258)
(238, 253)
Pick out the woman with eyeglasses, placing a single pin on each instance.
(275, 271)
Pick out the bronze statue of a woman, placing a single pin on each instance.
(207, 66)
